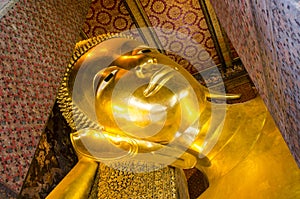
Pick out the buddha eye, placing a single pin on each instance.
(143, 51)
(99, 85)
(108, 77)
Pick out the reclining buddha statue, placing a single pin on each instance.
(139, 118)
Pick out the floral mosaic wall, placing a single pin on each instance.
(107, 16)
(185, 17)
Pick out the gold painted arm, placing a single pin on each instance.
(78, 181)
(105, 147)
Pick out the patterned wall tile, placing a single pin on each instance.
(37, 39)
(184, 31)
(286, 28)
(107, 16)
(6, 192)
(5, 5)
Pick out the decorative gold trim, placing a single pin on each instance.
(162, 183)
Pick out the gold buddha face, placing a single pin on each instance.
(138, 94)
(145, 95)
(123, 107)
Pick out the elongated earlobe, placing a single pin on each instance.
(220, 96)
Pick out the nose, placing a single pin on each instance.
(158, 79)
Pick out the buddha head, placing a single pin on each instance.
(120, 85)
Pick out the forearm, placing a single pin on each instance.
(78, 181)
